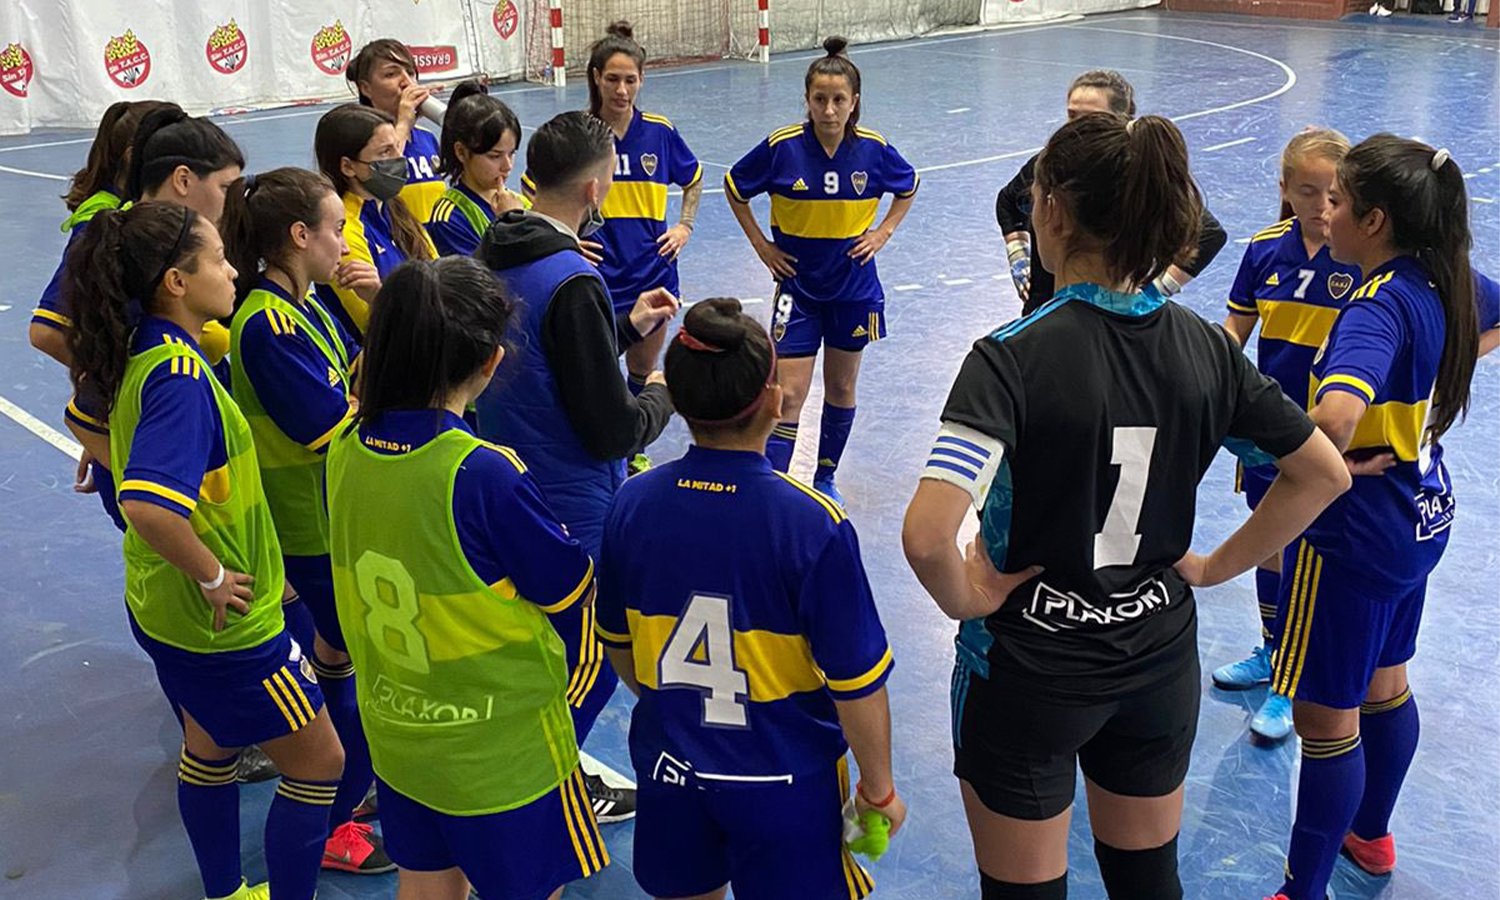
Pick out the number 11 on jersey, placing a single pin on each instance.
(700, 655)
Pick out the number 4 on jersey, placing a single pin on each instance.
(700, 655)
(1116, 544)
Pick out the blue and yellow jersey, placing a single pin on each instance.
(1487, 298)
(368, 232)
(820, 205)
(455, 224)
(1385, 348)
(423, 183)
(178, 452)
(506, 532)
(742, 597)
(51, 310)
(650, 157)
(1295, 298)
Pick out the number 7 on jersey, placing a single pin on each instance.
(1116, 544)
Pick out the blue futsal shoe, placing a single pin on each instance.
(825, 486)
(1273, 721)
(1247, 673)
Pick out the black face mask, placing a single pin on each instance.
(593, 222)
(387, 178)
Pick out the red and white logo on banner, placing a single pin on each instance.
(16, 70)
(227, 49)
(331, 48)
(127, 60)
(434, 59)
(507, 19)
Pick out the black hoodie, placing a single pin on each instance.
(582, 339)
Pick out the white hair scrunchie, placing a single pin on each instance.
(1440, 159)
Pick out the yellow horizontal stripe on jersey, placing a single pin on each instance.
(451, 631)
(846, 685)
(636, 200)
(214, 342)
(610, 636)
(53, 317)
(1302, 324)
(1400, 426)
(1241, 309)
(215, 487)
(776, 665)
(84, 418)
(146, 487)
(1359, 384)
(835, 219)
(574, 595)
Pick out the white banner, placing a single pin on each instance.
(62, 62)
(1010, 12)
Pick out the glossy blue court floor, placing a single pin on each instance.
(88, 747)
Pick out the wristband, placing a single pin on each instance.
(216, 583)
(1017, 249)
(1166, 285)
(860, 790)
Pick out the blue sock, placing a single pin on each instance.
(1333, 777)
(837, 421)
(299, 621)
(296, 831)
(1389, 731)
(636, 383)
(780, 445)
(209, 799)
(343, 709)
(1267, 589)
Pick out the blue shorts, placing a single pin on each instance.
(240, 697)
(521, 854)
(769, 842)
(799, 327)
(1339, 628)
(104, 481)
(591, 679)
(312, 576)
(1254, 482)
(624, 301)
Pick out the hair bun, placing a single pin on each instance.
(716, 322)
(621, 29)
(835, 45)
(465, 89)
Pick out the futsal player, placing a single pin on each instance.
(1080, 432)
(758, 656)
(1291, 288)
(384, 76)
(825, 177)
(640, 249)
(358, 150)
(1393, 377)
(447, 563)
(1098, 90)
(476, 155)
(291, 368)
(204, 578)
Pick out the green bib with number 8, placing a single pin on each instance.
(461, 684)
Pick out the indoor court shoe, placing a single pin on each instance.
(254, 766)
(260, 891)
(1247, 673)
(368, 808)
(825, 486)
(1377, 857)
(1273, 721)
(356, 848)
(611, 804)
(1459, 17)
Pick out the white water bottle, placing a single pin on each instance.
(433, 109)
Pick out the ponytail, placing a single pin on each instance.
(434, 324)
(477, 121)
(1315, 143)
(109, 155)
(1424, 198)
(619, 37)
(258, 219)
(838, 64)
(1129, 189)
(168, 138)
(110, 279)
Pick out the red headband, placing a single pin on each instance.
(692, 343)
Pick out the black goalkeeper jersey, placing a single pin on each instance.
(1109, 409)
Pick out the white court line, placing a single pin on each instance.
(1481, 199)
(1311, 26)
(961, 109)
(47, 175)
(954, 282)
(41, 429)
(1226, 145)
(907, 287)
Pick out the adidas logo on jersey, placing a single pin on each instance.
(799, 185)
(860, 332)
(333, 377)
(1273, 280)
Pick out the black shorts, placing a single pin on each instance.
(1019, 750)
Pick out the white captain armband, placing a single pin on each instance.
(964, 457)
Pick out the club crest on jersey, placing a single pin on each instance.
(648, 164)
(1273, 280)
(860, 180)
(799, 185)
(1339, 284)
